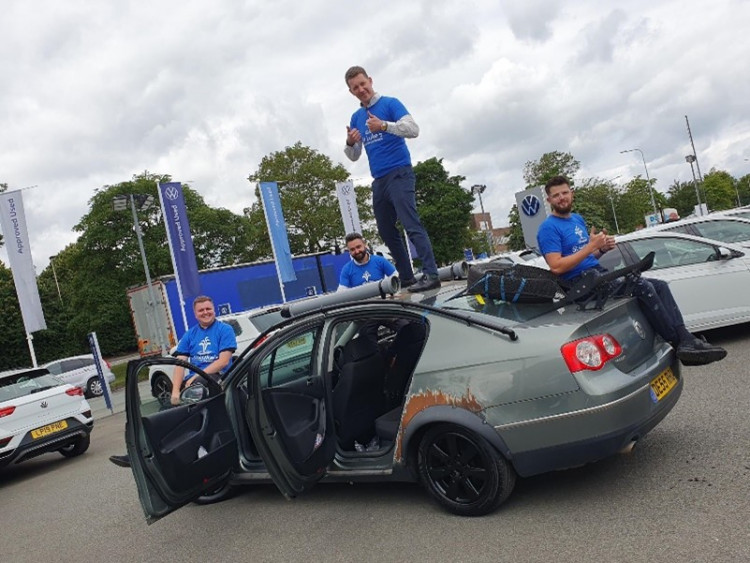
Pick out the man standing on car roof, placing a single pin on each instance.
(208, 345)
(380, 125)
(570, 250)
(363, 266)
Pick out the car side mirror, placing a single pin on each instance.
(726, 254)
(194, 393)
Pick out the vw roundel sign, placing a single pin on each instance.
(530, 205)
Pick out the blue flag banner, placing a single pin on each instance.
(269, 194)
(180, 241)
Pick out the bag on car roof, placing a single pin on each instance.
(516, 283)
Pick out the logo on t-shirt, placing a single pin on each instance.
(366, 276)
(204, 344)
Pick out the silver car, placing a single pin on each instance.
(462, 393)
(81, 372)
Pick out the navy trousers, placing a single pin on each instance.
(393, 199)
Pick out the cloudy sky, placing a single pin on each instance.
(95, 92)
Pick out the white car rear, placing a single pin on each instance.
(40, 414)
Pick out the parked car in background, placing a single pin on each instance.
(721, 227)
(528, 256)
(709, 279)
(459, 392)
(81, 372)
(246, 325)
(40, 414)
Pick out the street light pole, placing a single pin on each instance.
(612, 202)
(479, 189)
(119, 205)
(690, 159)
(648, 180)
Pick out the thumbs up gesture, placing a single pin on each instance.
(374, 123)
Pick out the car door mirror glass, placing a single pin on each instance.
(194, 393)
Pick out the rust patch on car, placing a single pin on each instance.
(426, 399)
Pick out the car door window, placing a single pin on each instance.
(55, 368)
(291, 361)
(725, 231)
(671, 252)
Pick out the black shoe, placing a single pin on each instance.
(699, 353)
(427, 283)
(408, 283)
(120, 460)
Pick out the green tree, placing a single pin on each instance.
(635, 204)
(681, 196)
(13, 336)
(743, 187)
(719, 188)
(555, 163)
(515, 237)
(307, 188)
(444, 208)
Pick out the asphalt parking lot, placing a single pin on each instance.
(682, 495)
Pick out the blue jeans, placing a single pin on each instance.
(393, 199)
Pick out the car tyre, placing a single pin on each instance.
(220, 493)
(77, 447)
(462, 471)
(161, 386)
(94, 388)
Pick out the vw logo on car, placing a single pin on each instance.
(531, 205)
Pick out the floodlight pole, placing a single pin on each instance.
(151, 294)
(479, 189)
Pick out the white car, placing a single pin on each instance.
(41, 414)
(81, 372)
(708, 278)
(527, 256)
(724, 227)
(247, 327)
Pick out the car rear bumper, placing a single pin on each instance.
(29, 447)
(550, 443)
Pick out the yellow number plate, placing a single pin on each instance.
(294, 342)
(49, 429)
(662, 384)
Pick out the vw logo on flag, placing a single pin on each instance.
(172, 193)
(530, 205)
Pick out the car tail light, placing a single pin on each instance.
(6, 411)
(74, 391)
(108, 364)
(590, 353)
(5, 441)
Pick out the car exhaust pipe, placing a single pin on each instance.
(628, 448)
(382, 288)
(456, 271)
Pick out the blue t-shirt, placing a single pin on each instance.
(385, 152)
(353, 274)
(566, 235)
(203, 345)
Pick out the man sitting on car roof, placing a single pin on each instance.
(570, 250)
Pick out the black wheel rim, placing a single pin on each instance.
(162, 386)
(457, 468)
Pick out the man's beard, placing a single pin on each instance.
(360, 256)
(562, 209)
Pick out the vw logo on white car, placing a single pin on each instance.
(530, 205)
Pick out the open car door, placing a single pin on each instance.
(288, 411)
(176, 452)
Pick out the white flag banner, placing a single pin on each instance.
(348, 205)
(13, 224)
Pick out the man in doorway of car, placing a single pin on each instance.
(208, 345)
(363, 266)
(380, 125)
(570, 250)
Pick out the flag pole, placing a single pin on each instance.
(174, 262)
(273, 247)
